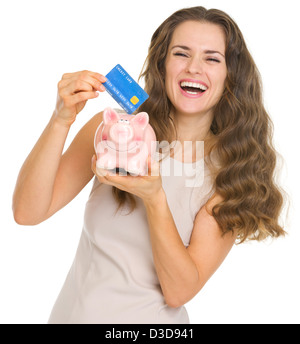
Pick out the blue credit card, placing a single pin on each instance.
(124, 89)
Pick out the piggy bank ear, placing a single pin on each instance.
(140, 120)
(110, 116)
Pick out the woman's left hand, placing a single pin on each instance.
(146, 187)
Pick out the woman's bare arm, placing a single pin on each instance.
(183, 272)
(49, 180)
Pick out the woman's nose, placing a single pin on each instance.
(195, 66)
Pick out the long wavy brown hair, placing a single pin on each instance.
(243, 131)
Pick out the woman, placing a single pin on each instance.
(149, 244)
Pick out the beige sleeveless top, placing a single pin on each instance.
(113, 278)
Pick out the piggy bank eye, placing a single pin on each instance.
(104, 137)
(123, 121)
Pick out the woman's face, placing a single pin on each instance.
(195, 69)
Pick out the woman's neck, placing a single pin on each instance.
(194, 137)
(193, 127)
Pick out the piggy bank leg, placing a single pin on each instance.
(106, 159)
(107, 162)
(137, 165)
(134, 167)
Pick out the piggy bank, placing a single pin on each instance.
(124, 142)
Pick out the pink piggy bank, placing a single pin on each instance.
(124, 142)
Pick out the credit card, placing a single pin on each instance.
(127, 92)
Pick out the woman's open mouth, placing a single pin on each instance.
(192, 88)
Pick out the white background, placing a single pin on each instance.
(41, 40)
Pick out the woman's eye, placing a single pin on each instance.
(213, 60)
(180, 54)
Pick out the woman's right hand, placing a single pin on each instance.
(74, 90)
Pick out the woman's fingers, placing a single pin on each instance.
(153, 167)
(80, 83)
(74, 89)
(85, 75)
(101, 78)
(79, 97)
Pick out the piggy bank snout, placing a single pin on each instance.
(121, 133)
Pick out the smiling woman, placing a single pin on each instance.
(150, 243)
(206, 47)
(196, 69)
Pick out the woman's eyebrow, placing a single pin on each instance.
(184, 47)
(213, 52)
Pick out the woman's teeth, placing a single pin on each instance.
(192, 87)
